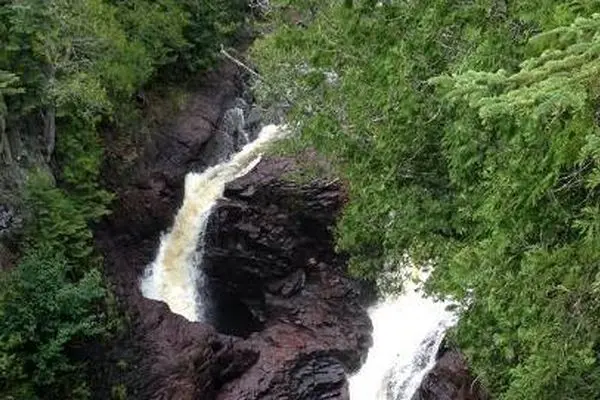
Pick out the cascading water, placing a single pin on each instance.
(174, 276)
(407, 333)
(407, 329)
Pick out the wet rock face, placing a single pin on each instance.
(270, 245)
(319, 379)
(450, 379)
(284, 321)
(6, 218)
(166, 356)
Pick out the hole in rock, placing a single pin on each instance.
(229, 313)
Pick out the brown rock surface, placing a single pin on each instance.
(285, 321)
(270, 244)
(172, 358)
(450, 379)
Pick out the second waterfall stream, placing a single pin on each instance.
(408, 330)
(173, 276)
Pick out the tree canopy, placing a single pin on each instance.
(69, 69)
(468, 134)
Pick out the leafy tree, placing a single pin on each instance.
(80, 59)
(68, 69)
(468, 133)
(532, 213)
(212, 24)
(42, 312)
(157, 25)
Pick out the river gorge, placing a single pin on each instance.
(253, 301)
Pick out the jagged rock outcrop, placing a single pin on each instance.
(450, 379)
(270, 245)
(165, 356)
(285, 322)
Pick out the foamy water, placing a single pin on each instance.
(173, 275)
(407, 329)
(407, 332)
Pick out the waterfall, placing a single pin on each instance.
(408, 330)
(173, 277)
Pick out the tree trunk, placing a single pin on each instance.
(5, 153)
(49, 130)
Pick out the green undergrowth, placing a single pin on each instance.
(73, 78)
(468, 135)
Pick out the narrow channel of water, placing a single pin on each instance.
(174, 276)
(408, 330)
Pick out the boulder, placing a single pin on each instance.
(450, 379)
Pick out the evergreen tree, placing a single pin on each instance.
(468, 134)
(69, 68)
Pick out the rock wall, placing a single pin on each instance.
(450, 379)
(271, 246)
(162, 356)
(285, 323)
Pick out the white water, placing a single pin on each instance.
(408, 329)
(407, 333)
(173, 276)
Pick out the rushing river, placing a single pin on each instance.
(407, 332)
(408, 329)
(174, 274)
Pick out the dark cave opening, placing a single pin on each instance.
(229, 313)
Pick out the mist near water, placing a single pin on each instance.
(174, 276)
(408, 330)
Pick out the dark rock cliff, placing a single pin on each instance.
(450, 379)
(284, 321)
(270, 246)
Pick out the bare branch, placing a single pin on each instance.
(241, 64)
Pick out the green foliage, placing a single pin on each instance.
(73, 67)
(59, 270)
(469, 135)
(42, 312)
(8, 86)
(530, 141)
(80, 153)
(60, 220)
(86, 57)
(212, 23)
(119, 392)
(76, 58)
(157, 25)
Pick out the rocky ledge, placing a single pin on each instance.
(270, 255)
(284, 322)
(450, 379)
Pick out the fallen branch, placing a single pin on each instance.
(253, 72)
(241, 64)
